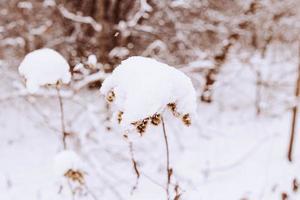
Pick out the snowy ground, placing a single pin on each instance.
(227, 153)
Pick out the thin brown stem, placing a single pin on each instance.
(134, 163)
(294, 113)
(62, 116)
(169, 169)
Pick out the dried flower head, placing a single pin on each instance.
(110, 96)
(120, 114)
(145, 93)
(69, 165)
(156, 119)
(186, 119)
(173, 108)
(141, 125)
(75, 176)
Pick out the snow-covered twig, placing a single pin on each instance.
(89, 79)
(133, 22)
(144, 8)
(81, 19)
(156, 44)
(41, 93)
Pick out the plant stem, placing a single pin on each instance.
(62, 116)
(134, 163)
(294, 112)
(169, 170)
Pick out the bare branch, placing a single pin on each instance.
(99, 76)
(81, 19)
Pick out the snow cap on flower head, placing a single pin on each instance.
(42, 67)
(141, 88)
(68, 164)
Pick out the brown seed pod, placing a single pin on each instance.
(156, 119)
(120, 114)
(187, 119)
(172, 107)
(110, 97)
(75, 176)
(141, 125)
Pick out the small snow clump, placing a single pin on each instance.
(42, 67)
(68, 164)
(141, 89)
(92, 60)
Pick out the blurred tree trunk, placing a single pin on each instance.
(108, 13)
(294, 112)
(212, 74)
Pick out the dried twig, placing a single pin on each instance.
(89, 79)
(80, 19)
(62, 116)
(169, 169)
(134, 163)
(294, 113)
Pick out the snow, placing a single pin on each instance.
(49, 3)
(25, 5)
(228, 153)
(143, 87)
(119, 52)
(66, 160)
(92, 59)
(42, 67)
(78, 67)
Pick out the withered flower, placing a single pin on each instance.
(110, 96)
(156, 119)
(75, 176)
(186, 119)
(120, 114)
(172, 107)
(141, 125)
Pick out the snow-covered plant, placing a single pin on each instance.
(46, 67)
(42, 67)
(141, 90)
(68, 164)
(70, 173)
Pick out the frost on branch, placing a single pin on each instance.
(141, 89)
(68, 164)
(42, 67)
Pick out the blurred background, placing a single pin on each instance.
(243, 57)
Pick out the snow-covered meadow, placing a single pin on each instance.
(149, 100)
(228, 151)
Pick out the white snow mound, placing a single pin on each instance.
(65, 161)
(44, 66)
(92, 59)
(144, 86)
